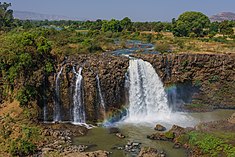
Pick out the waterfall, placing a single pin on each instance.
(78, 106)
(57, 109)
(147, 97)
(101, 96)
(44, 101)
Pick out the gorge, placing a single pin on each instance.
(184, 76)
(158, 91)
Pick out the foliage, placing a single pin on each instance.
(162, 47)
(169, 134)
(226, 28)
(191, 23)
(25, 94)
(21, 147)
(210, 144)
(6, 15)
(214, 78)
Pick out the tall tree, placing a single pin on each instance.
(226, 28)
(6, 15)
(190, 23)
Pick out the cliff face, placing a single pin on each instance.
(203, 80)
(111, 71)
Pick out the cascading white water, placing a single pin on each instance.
(44, 108)
(147, 97)
(78, 106)
(57, 108)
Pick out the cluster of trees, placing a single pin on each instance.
(22, 54)
(189, 24)
(6, 15)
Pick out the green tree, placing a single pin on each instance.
(113, 26)
(190, 23)
(126, 24)
(226, 28)
(6, 15)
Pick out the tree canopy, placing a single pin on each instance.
(6, 15)
(191, 23)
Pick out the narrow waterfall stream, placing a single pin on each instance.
(101, 99)
(57, 108)
(78, 104)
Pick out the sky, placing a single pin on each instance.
(136, 10)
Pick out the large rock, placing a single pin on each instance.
(159, 127)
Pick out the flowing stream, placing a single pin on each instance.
(78, 105)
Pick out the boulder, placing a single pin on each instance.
(119, 135)
(159, 127)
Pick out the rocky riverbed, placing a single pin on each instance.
(62, 143)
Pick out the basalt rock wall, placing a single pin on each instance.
(111, 71)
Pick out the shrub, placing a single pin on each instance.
(21, 147)
(162, 47)
(25, 94)
(214, 78)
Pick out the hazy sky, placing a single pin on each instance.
(137, 10)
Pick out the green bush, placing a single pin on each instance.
(21, 147)
(169, 135)
(25, 94)
(214, 78)
(49, 67)
(162, 47)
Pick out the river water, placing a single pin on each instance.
(100, 136)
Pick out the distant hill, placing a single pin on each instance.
(223, 16)
(24, 15)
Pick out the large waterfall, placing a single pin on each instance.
(147, 97)
(78, 104)
(57, 108)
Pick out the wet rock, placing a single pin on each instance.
(150, 152)
(159, 127)
(177, 146)
(177, 130)
(120, 135)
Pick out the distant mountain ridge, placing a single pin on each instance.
(223, 16)
(25, 15)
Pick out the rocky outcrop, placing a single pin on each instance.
(151, 152)
(197, 79)
(111, 71)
